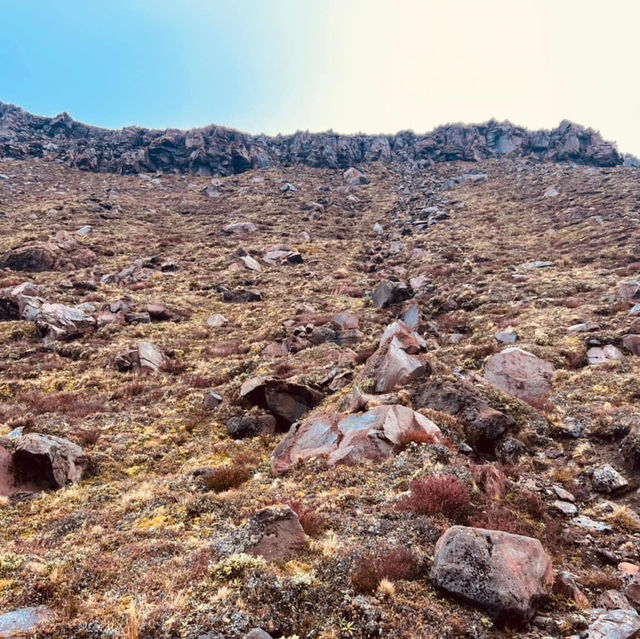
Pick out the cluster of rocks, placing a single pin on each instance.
(62, 252)
(216, 150)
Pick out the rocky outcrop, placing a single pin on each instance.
(215, 150)
(353, 439)
(504, 574)
(48, 460)
(62, 252)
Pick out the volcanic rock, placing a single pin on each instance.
(520, 373)
(61, 253)
(397, 360)
(483, 425)
(353, 439)
(48, 459)
(286, 400)
(505, 574)
(142, 356)
(24, 622)
(58, 322)
(275, 533)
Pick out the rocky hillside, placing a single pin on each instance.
(218, 151)
(393, 401)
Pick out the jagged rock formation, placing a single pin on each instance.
(215, 150)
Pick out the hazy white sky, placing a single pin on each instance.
(348, 65)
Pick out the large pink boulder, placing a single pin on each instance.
(520, 373)
(353, 439)
(505, 574)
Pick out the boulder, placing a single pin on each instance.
(603, 354)
(615, 624)
(251, 424)
(388, 293)
(353, 177)
(274, 533)
(141, 356)
(629, 290)
(58, 322)
(24, 622)
(607, 479)
(286, 400)
(62, 252)
(353, 439)
(483, 425)
(21, 302)
(507, 575)
(520, 373)
(48, 460)
(397, 360)
(240, 227)
(632, 344)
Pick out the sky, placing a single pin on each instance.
(373, 66)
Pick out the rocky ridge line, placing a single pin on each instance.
(215, 150)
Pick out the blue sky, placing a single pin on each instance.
(350, 65)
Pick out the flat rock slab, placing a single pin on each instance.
(275, 533)
(502, 573)
(520, 373)
(23, 622)
(616, 624)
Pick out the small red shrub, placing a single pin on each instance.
(434, 495)
(385, 563)
(312, 522)
(70, 404)
(226, 477)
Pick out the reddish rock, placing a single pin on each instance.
(48, 459)
(505, 574)
(353, 439)
(491, 479)
(275, 533)
(632, 344)
(632, 590)
(285, 399)
(613, 600)
(629, 290)
(520, 374)
(565, 585)
(63, 252)
(483, 425)
(58, 322)
(142, 356)
(353, 177)
(158, 311)
(397, 360)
